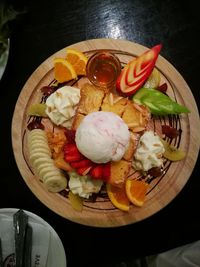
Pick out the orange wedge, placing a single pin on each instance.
(118, 197)
(78, 60)
(136, 191)
(63, 70)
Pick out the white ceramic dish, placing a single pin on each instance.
(56, 254)
(4, 59)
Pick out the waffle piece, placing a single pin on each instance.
(114, 103)
(77, 120)
(136, 116)
(119, 171)
(91, 99)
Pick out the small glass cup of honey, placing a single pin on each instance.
(103, 69)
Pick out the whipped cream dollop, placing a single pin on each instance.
(61, 105)
(84, 186)
(149, 152)
(102, 137)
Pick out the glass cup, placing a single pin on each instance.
(103, 69)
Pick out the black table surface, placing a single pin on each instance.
(48, 26)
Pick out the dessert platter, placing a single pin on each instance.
(101, 132)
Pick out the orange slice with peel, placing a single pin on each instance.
(78, 60)
(136, 191)
(63, 70)
(118, 197)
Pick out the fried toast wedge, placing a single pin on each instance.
(119, 171)
(114, 103)
(136, 116)
(77, 120)
(91, 99)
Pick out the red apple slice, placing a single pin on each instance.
(136, 72)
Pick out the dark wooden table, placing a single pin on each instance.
(49, 26)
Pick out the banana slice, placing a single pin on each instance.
(38, 147)
(40, 161)
(56, 183)
(42, 150)
(34, 140)
(47, 165)
(50, 173)
(37, 132)
(43, 165)
(34, 157)
(37, 142)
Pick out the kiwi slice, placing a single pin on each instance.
(172, 153)
(37, 109)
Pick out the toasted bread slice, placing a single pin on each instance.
(61, 163)
(114, 103)
(56, 141)
(119, 171)
(135, 116)
(77, 120)
(131, 148)
(91, 99)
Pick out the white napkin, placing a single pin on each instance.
(40, 240)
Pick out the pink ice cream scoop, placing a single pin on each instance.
(102, 137)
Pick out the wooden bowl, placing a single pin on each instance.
(162, 190)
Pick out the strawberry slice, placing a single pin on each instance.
(83, 170)
(101, 171)
(72, 157)
(97, 171)
(82, 164)
(136, 72)
(70, 135)
(69, 147)
(71, 153)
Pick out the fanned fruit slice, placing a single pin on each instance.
(78, 60)
(63, 70)
(118, 197)
(136, 191)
